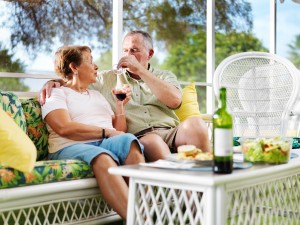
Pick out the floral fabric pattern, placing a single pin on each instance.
(12, 106)
(45, 172)
(37, 130)
(28, 116)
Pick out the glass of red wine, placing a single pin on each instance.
(119, 85)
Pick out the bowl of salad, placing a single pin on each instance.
(266, 150)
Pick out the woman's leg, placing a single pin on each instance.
(113, 188)
(155, 147)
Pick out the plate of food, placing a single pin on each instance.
(191, 154)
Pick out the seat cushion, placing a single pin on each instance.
(37, 130)
(12, 106)
(45, 172)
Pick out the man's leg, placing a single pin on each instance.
(193, 131)
(155, 147)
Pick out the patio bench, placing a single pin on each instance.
(55, 191)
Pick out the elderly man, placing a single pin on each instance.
(155, 93)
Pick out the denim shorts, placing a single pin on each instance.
(117, 147)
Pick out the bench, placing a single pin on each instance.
(55, 191)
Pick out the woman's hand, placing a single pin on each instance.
(124, 90)
(111, 133)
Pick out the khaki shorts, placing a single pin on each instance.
(168, 134)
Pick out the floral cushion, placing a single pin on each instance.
(12, 106)
(45, 172)
(37, 130)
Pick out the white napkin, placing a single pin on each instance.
(169, 165)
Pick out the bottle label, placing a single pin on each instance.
(223, 142)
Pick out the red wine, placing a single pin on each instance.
(121, 96)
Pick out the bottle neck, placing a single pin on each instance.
(222, 102)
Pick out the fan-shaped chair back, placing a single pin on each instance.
(262, 89)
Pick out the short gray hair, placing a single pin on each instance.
(147, 38)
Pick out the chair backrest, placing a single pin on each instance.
(262, 89)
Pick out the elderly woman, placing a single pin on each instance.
(83, 126)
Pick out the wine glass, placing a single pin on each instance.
(119, 85)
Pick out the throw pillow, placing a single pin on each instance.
(16, 148)
(189, 106)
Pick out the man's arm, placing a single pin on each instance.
(165, 92)
(45, 92)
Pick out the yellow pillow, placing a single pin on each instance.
(189, 106)
(16, 148)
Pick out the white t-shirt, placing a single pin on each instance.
(90, 109)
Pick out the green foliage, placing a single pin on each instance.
(235, 42)
(294, 51)
(37, 25)
(104, 62)
(187, 58)
(8, 65)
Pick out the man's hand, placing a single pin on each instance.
(164, 92)
(131, 64)
(45, 92)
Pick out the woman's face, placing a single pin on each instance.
(87, 71)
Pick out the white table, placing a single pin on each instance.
(259, 195)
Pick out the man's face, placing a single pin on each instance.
(134, 45)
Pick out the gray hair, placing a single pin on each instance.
(146, 36)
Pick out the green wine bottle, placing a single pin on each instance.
(222, 137)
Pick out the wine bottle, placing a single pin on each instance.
(222, 137)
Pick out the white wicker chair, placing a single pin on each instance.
(262, 91)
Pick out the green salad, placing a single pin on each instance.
(268, 150)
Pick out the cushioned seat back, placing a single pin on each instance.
(12, 106)
(37, 130)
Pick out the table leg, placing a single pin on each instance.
(131, 200)
(210, 206)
